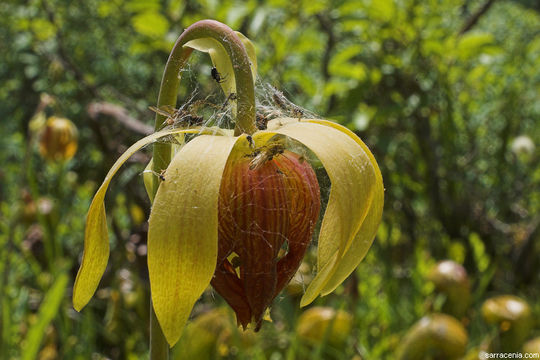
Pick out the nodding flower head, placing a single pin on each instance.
(237, 209)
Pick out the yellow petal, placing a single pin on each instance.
(221, 60)
(353, 180)
(96, 237)
(182, 236)
(365, 236)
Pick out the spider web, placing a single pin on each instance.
(209, 107)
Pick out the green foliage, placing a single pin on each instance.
(440, 108)
(47, 312)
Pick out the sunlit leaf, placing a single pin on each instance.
(472, 44)
(142, 5)
(151, 24)
(382, 10)
(43, 29)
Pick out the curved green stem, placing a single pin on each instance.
(245, 90)
(167, 96)
(245, 119)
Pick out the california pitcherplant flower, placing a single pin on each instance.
(237, 209)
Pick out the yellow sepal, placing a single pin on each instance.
(365, 236)
(353, 181)
(183, 230)
(96, 236)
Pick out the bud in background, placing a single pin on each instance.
(300, 280)
(451, 280)
(437, 335)
(56, 70)
(532, 346)
(513, 317)
(58, 141)
(324, 324)
(214, 335)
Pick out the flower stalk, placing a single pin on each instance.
(245, 121)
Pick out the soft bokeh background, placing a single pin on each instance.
(444, 92)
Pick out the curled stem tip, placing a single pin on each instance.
(245, 91)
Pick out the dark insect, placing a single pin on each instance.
(160, 175)
(193, 120)
(280, 100)
(261, 121)
(217, 76)
(250, 141)
(297, 112)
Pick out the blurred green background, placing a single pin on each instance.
(446, 93)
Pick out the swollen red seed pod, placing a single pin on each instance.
(262, 211)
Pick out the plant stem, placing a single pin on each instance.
(245, 120)
(245, 90)
(159, 348)
(167, 96)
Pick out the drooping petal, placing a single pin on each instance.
(353, 179)
(96, 236)
(183, 230)
(365, 236)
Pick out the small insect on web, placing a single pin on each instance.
(272, 104)
(160, 175)
(281, 101)
(264, 154)
(178, 117)
(261, 121)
